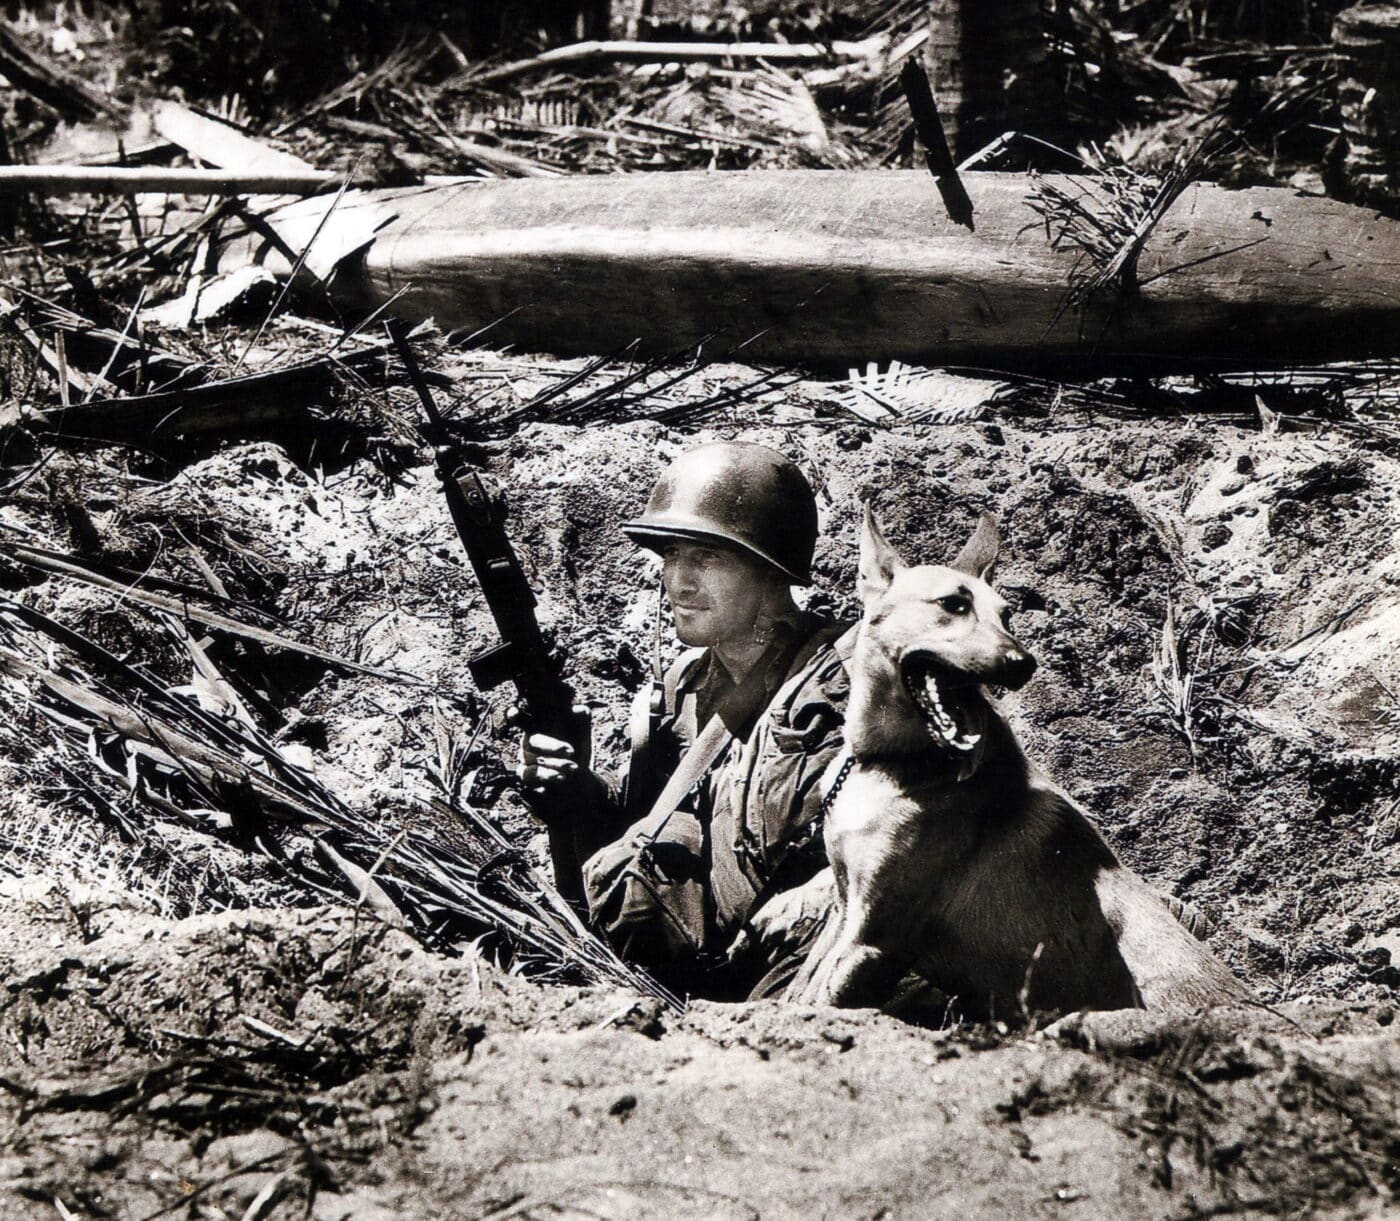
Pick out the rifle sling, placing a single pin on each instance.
(733, 718)
(709, 744)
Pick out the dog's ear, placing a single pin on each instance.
(878, 560)
(979, 556)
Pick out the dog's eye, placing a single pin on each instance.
(955, 604)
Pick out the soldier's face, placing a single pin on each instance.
(716, 593)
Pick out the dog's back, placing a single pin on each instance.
(1046, 919)
(1020, 927)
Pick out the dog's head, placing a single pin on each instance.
(938, 634)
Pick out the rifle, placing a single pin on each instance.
(522, 656)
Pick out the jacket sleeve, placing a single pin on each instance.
(646, 891)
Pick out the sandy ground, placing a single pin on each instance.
(294, 1060)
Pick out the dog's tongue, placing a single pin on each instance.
(941, 720)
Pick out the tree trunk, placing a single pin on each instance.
(987, 62)
(1367, 40)
(831, 267)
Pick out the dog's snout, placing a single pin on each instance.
(1016, 668)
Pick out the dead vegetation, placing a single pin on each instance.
(134, 362)
(126, 368)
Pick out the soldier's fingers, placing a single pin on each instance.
(543, 744)
(533, 769)
(530, 763)
(545, 775)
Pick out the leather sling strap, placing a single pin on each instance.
(709, 744)
(647, 712)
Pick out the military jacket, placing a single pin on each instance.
(678, 887)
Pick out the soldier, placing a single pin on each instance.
(691, 858)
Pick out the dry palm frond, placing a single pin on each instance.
(906, 392)
(891, 132)
(194, 757)
(775, 103)
(176, 598)
(398, 69)
(1175, 678)
(543, 111)
(1109, 216)
(657, 388)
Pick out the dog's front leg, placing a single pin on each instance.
(846, 968)
(862, 976)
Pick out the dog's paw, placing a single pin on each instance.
(1119, 1032)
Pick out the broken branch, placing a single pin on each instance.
(622, 51)
(145, 180)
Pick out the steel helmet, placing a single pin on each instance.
(739, 493)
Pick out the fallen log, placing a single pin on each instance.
(825, 266)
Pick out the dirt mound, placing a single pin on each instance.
(268, 1064)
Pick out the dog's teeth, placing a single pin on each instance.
(942, 723)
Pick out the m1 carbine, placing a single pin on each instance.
(546, 700)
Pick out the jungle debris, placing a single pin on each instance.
(1367, 41)
(198, 756)
(216, 142)
(69, 95)
(623, 51)
(1110, 215)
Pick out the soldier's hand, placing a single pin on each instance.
(550, 765)
(544, 761)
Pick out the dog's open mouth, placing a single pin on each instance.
(947, 701)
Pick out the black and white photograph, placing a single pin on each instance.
(683, 609)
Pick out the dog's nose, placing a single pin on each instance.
(1015, 669)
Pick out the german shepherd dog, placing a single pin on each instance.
(953, 856)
